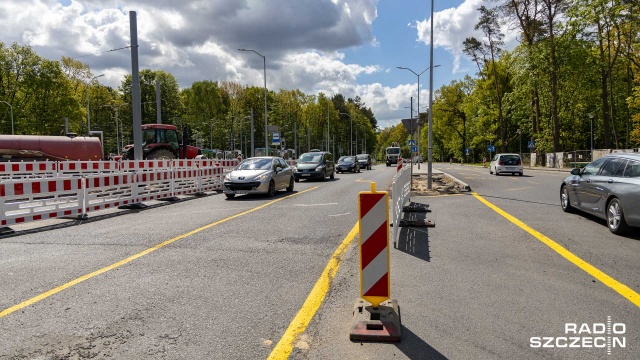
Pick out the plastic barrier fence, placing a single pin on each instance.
(400, 191)
(32, 191)
(29, 200)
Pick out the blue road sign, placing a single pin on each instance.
(275, 138)
(491, 148)
(467, 151)
(414, 148)
(411, 142)
(532, 144)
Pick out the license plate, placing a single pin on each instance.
(241, 192)
(510, 168)
(306, 175)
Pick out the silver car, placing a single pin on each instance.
(259, 175)
(608, 188)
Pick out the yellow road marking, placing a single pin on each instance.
(300, 322)
(60, 288)
(620, 288)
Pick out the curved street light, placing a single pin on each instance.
(264, 64)
(89, 113)
(418, 75)
(11, 109)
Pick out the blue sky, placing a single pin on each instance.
(350, 47)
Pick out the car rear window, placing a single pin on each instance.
(633, 169)
(510, 159)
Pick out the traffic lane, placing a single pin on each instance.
(538, 205)
(466, 290)
(152, 284)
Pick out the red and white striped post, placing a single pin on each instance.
(374, 245)
(399, 167)
(379, 321)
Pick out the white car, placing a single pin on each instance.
(506, 163)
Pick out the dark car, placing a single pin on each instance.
(608, 188)
(347, 163)
(314, 165)
(364, 160)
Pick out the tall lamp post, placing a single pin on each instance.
(351, 140)
(264, 63)
(418, 75)
(11, 110)
(430, 116)
(591, 118)
(88, 112)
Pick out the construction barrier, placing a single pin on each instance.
(380, 320)
(32, 191)
(400, 191)
(27, 200)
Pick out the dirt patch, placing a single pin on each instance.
(441, 184)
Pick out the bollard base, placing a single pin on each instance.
(381, 324)
(135, 206)
(416, 207)
(5, 230)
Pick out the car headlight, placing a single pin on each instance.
(227, 177)
(294, 168)
(320, 168)
(262, 177)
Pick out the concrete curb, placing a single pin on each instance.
(461, 184)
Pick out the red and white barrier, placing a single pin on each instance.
(373, 209)
(28, 170)
(152, 185)
(29, 200)
(75, 168)
(186, 181)
(145, 165)
(108, 190)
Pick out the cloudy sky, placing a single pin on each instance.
(350, 47)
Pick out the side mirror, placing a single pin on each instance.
(575, 172)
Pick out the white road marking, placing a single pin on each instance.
(315, 204)
(341, 214)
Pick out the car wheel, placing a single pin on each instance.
(615, 218)
(490, 171)
(520, 174)
(497, 173)
(565, 202)
(272, 188)
(290, 187)
(230, 196)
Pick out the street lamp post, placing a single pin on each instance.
(88, 112)
(520, 140)
(116, 108)
(264, 63)
(11, 110)
(430, 116)
(351, 140)
(591, 118)
(418, 75)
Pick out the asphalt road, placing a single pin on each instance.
(231, 279)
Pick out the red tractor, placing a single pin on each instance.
(160, 141)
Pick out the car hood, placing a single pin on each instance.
(307, 166)
(245, 175)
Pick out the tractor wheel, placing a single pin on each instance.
(161, 154)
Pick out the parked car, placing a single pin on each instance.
(259, 175)
(506, 163)
(608, 188)
(314, 165)
(364, 160)
(347, 163)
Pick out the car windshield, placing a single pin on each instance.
(362, 157)
(254, 164)
(310, 158)
(393, 151)
(347, 159)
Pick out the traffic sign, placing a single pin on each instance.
(411, 142)
(491, 148)
(532, 144)
(275, 138)
(467, 151)
(414, 148)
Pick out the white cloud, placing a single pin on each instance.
(452, 26)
